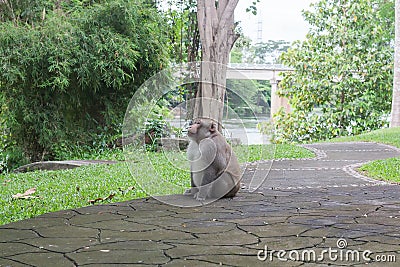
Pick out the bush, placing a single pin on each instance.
(69, 78)
(343, 75)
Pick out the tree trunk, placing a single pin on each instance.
(193, 47)
(395, 115)
(217, 35)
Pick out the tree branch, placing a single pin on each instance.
(211, 11)
(10, 7)
(228, 15)
(201, 18)
(221, 7)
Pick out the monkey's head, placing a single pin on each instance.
(201, 129)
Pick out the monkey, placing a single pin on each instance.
(214, 168)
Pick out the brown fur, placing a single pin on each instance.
(215, 170)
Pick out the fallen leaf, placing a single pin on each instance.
(5, 182)
(96, 200)
(25, 195)
(110, 197)
(101, 199)
(126, 190)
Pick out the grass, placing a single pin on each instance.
(390, 136)
(66, 189)
(256, 152)
(69, 189)
(388, 169)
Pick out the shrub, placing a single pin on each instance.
(69, 78)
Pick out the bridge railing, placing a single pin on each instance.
(267, 67)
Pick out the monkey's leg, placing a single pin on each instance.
(193, 189)
(209, 176)
(235, 187)
(203, 192)
(224, 186)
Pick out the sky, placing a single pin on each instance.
(280, 19)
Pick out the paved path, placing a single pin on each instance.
(60, 165)
(316, 208)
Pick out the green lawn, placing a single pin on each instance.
(388, 169)
(390, 136)
(68, 189)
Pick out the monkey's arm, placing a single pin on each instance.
(207, 168)
(193, 189)
(208, 177)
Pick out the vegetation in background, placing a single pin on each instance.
(154, 130)
(68, 70)
(259, 53)
(242, 44)
(247, 97)
(257, 94)
(342, 82)
(183, 33)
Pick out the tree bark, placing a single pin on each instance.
(193, 56)
(217, 35)
(395, 114)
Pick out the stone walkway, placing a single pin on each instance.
(314, 209)
(60, 165)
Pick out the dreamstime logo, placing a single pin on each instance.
(340, 253)
(341, 243)
(166, 91)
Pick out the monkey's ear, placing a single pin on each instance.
(213, 127)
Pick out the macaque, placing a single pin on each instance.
(214, 168)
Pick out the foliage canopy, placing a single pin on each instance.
(67, 75)
(343, 74)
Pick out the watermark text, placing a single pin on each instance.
(338, 254)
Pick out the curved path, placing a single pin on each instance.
(318, 209)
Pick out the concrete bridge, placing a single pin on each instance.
(269, 72)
